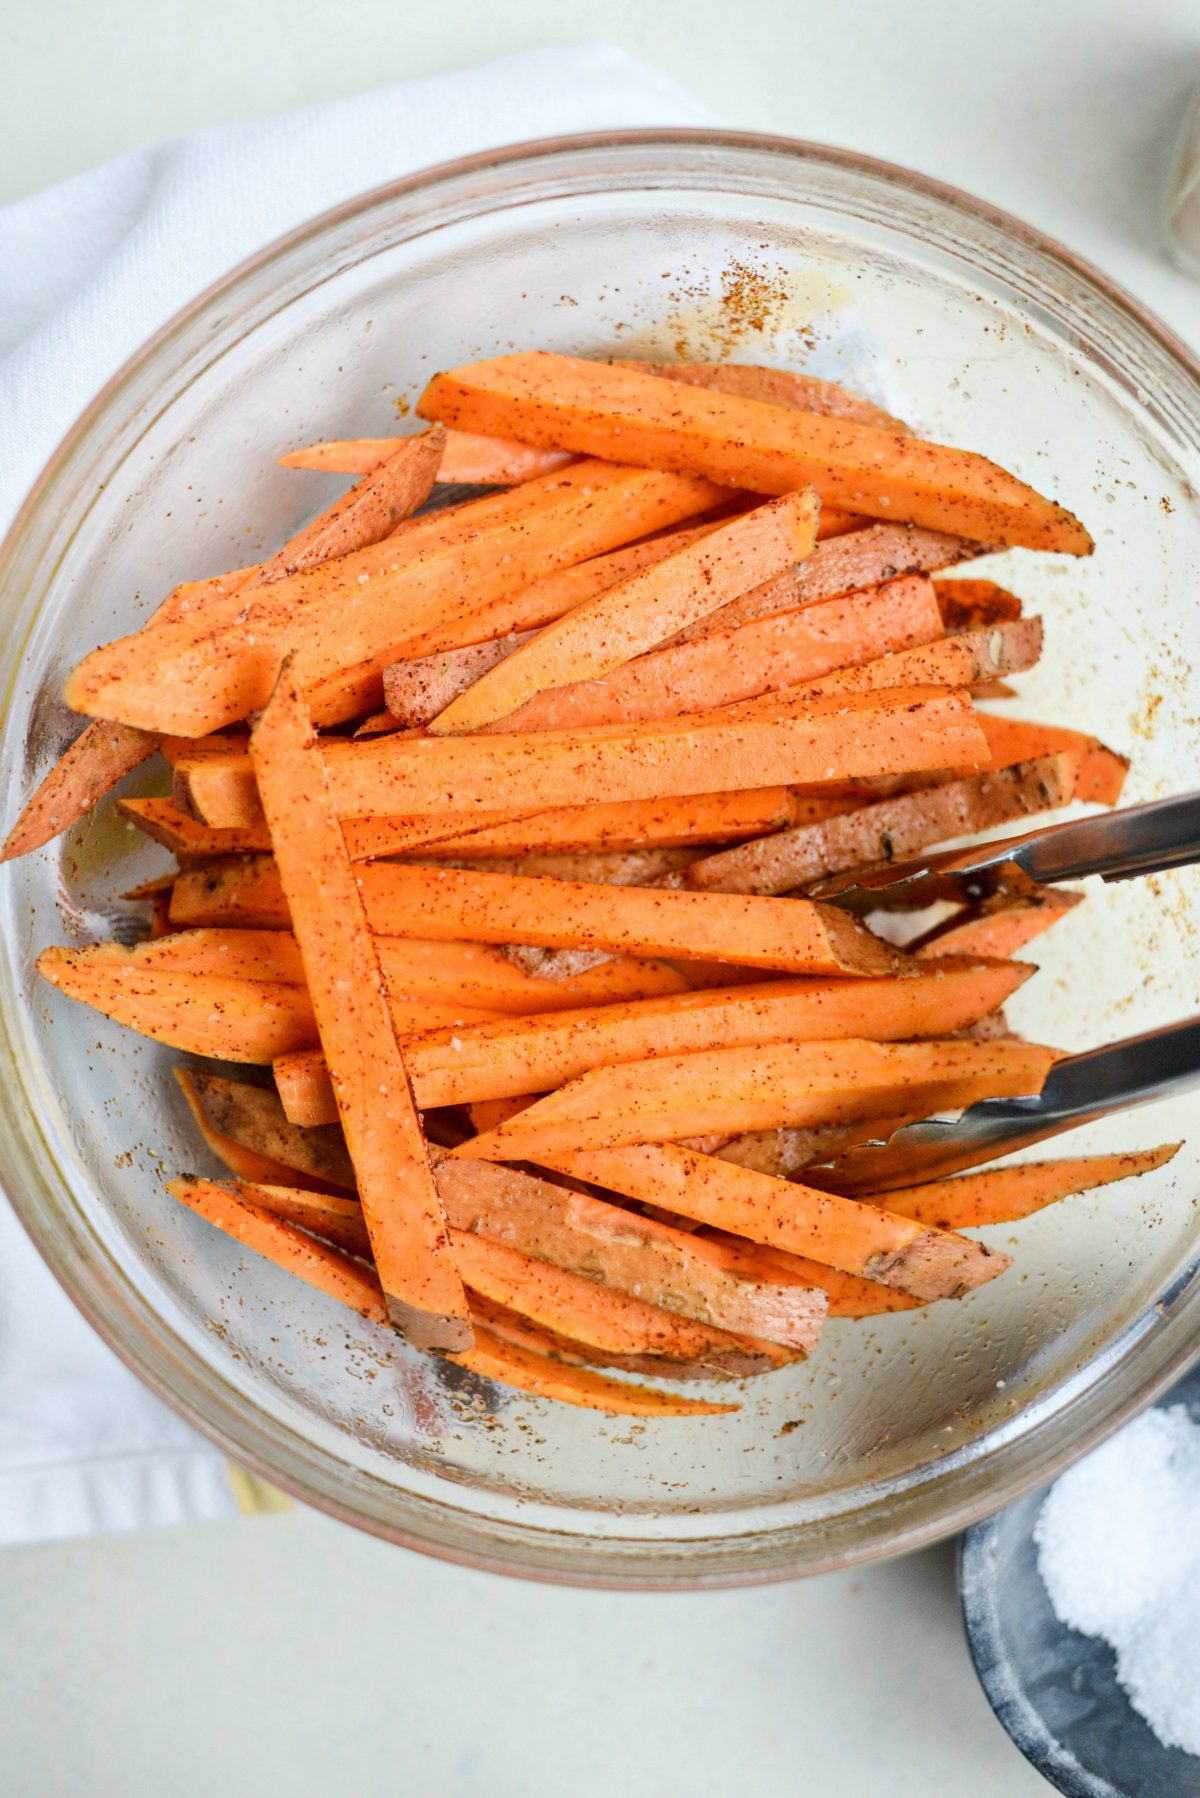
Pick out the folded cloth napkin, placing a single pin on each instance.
(87, 271)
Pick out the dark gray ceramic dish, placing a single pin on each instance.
(1055, 1691)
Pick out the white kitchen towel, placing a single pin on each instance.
(87, 271)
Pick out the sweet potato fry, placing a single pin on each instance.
(634, 824)
(1101, 770)
(1004, 1195)
(847, 1295)
(452, 975)
(499, 908)
(618, 1328)
(914, 1256)
(334, 1217)
(633, 1254)
(778, 386)
(513, 1365)
(549, 597)
(760, 1088)
(235, 1020)
(864, 558)
(450, 904)
(318, 1263)
(780, 650)
(964, 660)
(242, 1158)
(100, 756)
(597, 409)
(192, 678)
(425, 1298)
(466, 459)
(183, 835)
(638, 613)
(532, 1055)
(252, 1117)
(226, 1016)
(513, 1327)
(967, 604)
(890, 829)
(999, 927)
(370, 511)
(801, 742)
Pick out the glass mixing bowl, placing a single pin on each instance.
(682, 243)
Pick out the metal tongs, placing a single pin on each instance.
(1142, 839)
(1145, 839)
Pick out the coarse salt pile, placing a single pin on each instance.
(1119, 1551)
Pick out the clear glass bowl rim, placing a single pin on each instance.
(1135, 1368)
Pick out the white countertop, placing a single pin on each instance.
(286, 1654)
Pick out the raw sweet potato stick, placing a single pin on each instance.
(630, 618)
(425, 1299)
(601, 410)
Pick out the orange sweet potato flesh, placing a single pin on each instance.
(453, 904)
(451, 974)
(1006, 1194)
(425, 1297)
(477, 907)
(916, 1257)
(778, 386)
(779, 650)
(335, 1218)
(228, 1016)
(600, 410)
(1000, 927)
(763, 1087)
(430, 676)
(513, 1365)
(253, 1118)
(533, 1055)
(968, 659)
(105, 751)
(1101, 770)
(166, 823)
(305, 1093)
(360, 612)
(890, 829)
(100, 756)
(613, 1324)
(802, 742)
(633, 1254)
(355, 1283)
(318, 1263)
(638, 613)
(466, 458)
